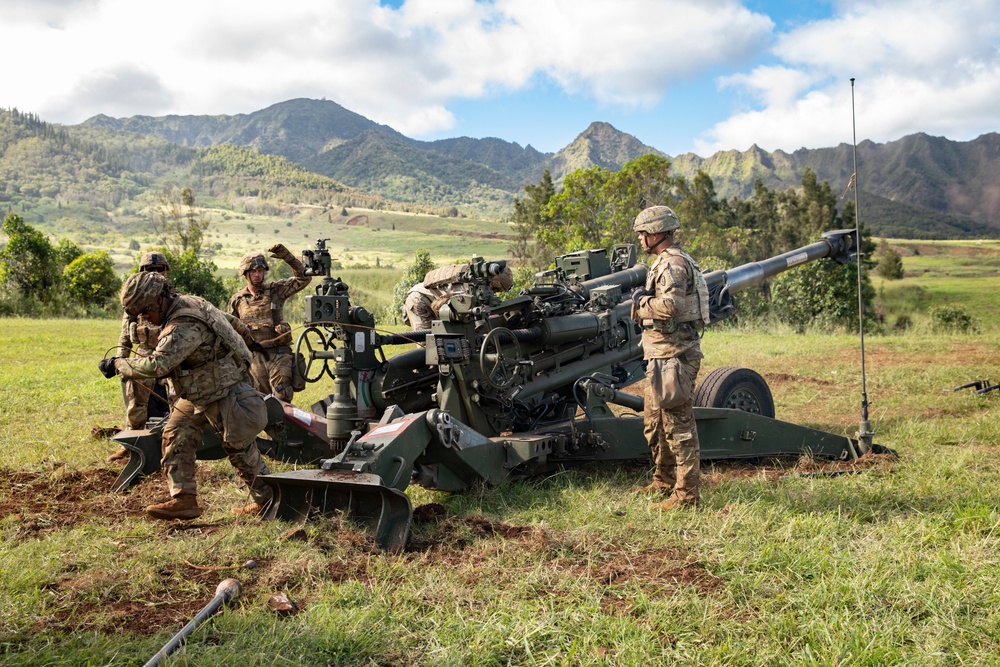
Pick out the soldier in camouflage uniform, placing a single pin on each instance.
(205, 354)
(260, 306)
(672, 309)
(139, 334)
(425, 299)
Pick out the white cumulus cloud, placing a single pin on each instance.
(920, 66)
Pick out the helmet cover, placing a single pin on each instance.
(152, 261)
(251, 261)
(141, 290)
(655, 220)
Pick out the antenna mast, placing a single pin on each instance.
(865, 433)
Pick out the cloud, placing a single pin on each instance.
(920, 67)
(117, 91)
(52, 13)
(400, 66)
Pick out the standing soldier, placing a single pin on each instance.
(672, 309)
(260, 306)
(206, 359)
(140, 334)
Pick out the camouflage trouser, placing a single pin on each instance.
(670, 427)
(274, 375)
(137, 393)
(417, 311)
(181, 436)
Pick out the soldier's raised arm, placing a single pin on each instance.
(299, 280)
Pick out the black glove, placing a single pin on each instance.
(638, 293)
(257, 347)
(107, 367)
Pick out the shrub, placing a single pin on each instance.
(91, 279)
(953, 319)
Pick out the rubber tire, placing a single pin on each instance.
(738, 388)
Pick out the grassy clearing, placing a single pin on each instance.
(896, 565)
(359, 238)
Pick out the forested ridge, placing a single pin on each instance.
(72, 176)
(316, 152)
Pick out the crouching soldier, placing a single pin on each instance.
(424, 300)
(260, 306)
(207, 361)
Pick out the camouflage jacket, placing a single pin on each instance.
(669, 317)
(192, 354)
(263, 312)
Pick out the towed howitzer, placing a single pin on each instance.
(498, 389)
(495, 392)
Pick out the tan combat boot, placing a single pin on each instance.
(262, 500)
(184, 506)
(655, 487)
(121, 455)
(673, 502)
(253, 509)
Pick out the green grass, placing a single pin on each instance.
(390, 237)
(897, 565)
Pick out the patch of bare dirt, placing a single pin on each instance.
(94, 601)
(780, 379)
(773, 470)
(470, 543)
(46, 501)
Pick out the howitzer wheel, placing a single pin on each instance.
(497, 371)
(737, 389)
(305, 341)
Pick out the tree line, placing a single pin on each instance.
(595, 208)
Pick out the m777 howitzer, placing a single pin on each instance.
(500, 390)
(507, 389)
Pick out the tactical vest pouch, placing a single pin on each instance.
(282, 335)
(662, 326)
(244, 414)
(200, 385)
(670, 382)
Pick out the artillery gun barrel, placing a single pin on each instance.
(838, 245)
(626, 279)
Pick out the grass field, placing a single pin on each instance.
(895, 565)
(359, 238)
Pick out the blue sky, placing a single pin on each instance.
(680, 75)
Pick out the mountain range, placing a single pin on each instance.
(923, 185)
(917, 187)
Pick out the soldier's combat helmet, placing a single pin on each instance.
(141, 290)
(253, 260)
(502, 282)
(154, 261)
(656, 219)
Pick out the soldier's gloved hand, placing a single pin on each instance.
(257, 347)
(107, 367)
(278, 251)
(638, 293)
